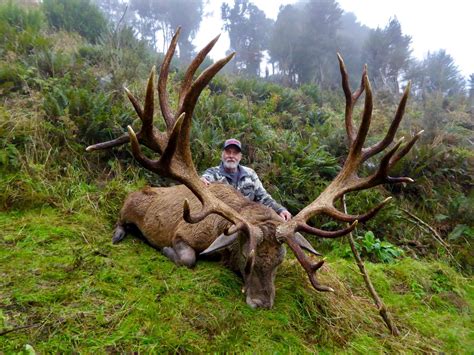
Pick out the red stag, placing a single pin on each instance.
(194, 219)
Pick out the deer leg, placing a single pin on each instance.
(180, 253)
(119, 233)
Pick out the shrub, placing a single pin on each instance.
(19, 18)
(11, 77)
(76, 16)
(20, 29)
(378, 250)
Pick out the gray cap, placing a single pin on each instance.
(233, 141)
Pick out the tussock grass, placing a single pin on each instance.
(65, 287)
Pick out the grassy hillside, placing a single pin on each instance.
(65, 288)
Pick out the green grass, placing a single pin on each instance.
(72, 290)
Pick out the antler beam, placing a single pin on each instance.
(173, 145)
(348, 180)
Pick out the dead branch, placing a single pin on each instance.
(426, 225)
(368, 283)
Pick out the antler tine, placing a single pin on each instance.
(360, 90)
(188, 77)
(191, 97)
(378, 147)
(382, 171)
(181, 145)
(109, 144)
(304, 227)
(309, 266)
(351, 98)
(163, 81)
(344, 217)
(147, 163)
(349, 101)
(147, 118)
(358, 143)
(147, 135)
(381, 175)
(402, 152)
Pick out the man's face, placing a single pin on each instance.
(231, 157)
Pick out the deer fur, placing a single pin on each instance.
(158, 214)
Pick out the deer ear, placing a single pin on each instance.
(221, 242)
(302, 242)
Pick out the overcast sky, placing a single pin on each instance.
(432, 24)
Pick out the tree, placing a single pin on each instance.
(471, 89)
(387, 53)
(351, 38)
(441, 74)
(319, 41)
(150, 19)
(76, 16)
(248, 29)
(188, 15)
(305, 41)
(437, 82)
(163, 17)
(114, 10)
(436, 73)
(284, 42)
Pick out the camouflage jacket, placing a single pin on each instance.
(247, 183)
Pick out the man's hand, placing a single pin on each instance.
(285, 215)
(205, 181)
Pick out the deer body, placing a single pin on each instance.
(158, 214)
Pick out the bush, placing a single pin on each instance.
(76, 16)
(11, 77)
(378, 250)
(20, 18)
(20, 30)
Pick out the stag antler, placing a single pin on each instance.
(173, 145)
(347, 180)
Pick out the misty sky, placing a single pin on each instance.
(433, 25)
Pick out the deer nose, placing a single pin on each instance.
(259, 303)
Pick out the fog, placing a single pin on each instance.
(433, 25)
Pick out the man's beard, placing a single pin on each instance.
(229, 164)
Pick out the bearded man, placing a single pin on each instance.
(242, 178)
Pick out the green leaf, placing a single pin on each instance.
(461, 230)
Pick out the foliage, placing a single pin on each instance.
(351, 38)
(116, 11)
(248, 29)
(76, 16)
(379, 250)
(20, 18)
(305, 40)
(20, 30)
(165, 16)
(437, 73)
(387, 53)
